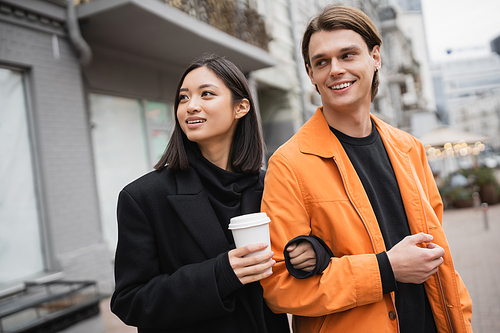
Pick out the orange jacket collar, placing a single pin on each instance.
(316, 137)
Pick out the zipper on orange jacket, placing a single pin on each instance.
(367, 231)
(448, 320)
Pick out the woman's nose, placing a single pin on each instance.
(194, 105)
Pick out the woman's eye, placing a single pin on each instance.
(207, 93)
(182, 97)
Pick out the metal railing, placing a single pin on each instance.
(48, 307)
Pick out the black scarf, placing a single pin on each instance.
(226, 190)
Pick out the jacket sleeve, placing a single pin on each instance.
(437, 205)
(145, 297)
(321, 250)
(347, 282)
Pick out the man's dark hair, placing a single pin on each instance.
(247, 146)
(341, 17)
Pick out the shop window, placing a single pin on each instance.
(128, 138)
(20, 238)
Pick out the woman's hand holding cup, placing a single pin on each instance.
(251, 268)
(252, 258)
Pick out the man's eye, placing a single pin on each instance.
(320, 62)
(348, 55)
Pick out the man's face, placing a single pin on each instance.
(342, 67)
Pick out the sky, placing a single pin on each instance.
(464, 26)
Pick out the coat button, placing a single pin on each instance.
(392, 315)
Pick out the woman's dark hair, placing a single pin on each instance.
(335, 17)
(247, 147)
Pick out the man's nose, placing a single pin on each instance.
(336, 68)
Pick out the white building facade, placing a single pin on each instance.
(467, 92)
(480, 115)
(409, 92)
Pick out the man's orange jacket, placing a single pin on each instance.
(311, 188)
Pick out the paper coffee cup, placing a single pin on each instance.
(251, 229)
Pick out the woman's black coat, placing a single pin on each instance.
(172, 270)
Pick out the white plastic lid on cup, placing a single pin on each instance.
(248, 221)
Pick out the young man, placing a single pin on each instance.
(365, 189)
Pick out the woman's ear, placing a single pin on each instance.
(242, 108)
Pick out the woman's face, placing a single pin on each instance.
(206, 111)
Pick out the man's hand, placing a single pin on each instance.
(302, 256)
(413, 264)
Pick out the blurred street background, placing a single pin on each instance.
(86, 107)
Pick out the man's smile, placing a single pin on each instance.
(341, 85)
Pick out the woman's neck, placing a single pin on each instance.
(217, 155)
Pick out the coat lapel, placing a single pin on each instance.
(194, 209)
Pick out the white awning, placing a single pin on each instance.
(442, 135)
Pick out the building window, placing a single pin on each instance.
(128, 137)
(20, 239)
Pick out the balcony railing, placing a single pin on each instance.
(230, 16)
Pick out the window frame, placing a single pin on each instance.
(49, 262)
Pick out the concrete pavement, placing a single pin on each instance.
(476, 254)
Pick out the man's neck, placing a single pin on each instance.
(355, 124)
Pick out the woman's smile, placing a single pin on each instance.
(195, 122)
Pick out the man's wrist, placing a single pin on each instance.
(386, 273)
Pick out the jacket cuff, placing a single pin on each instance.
(386, 273)
(227, 281)
(323, 255)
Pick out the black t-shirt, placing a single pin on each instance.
(372, 164)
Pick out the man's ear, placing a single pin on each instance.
(242, 108)
(310, 74)
(376, 56)
(311, 77)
